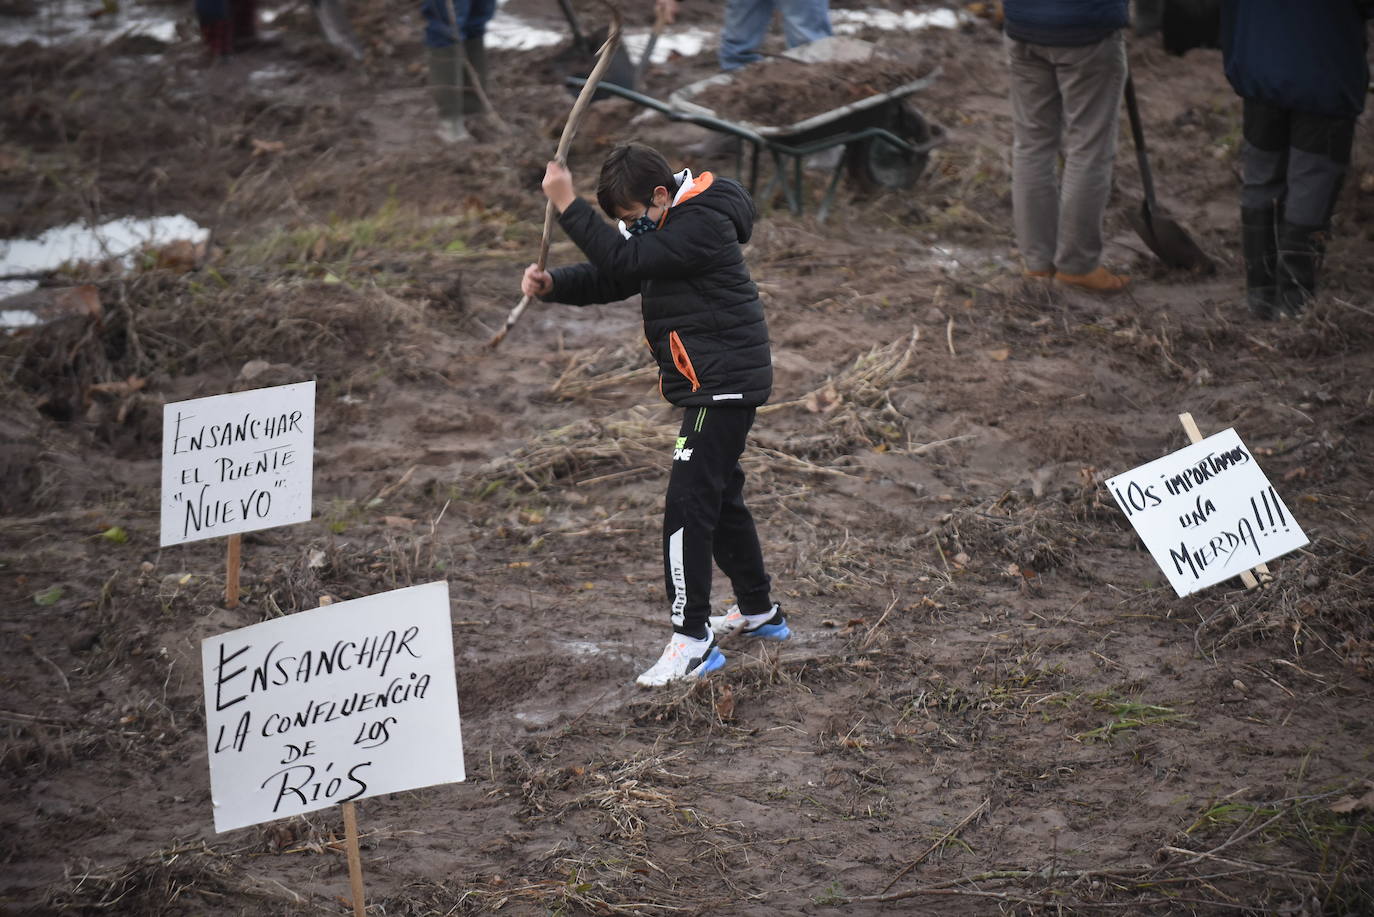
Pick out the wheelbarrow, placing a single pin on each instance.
(886, 141)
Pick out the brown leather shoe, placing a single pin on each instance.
(1098, 280)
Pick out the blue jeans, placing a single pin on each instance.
(747, 21)
(471, 17)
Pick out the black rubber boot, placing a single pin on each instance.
(476, 51)
(1259, 244)
(1301, 249)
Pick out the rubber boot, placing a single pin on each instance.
(244, 15)
(1260, 246)
(446, 82)
(1300, 253)
(476, 51)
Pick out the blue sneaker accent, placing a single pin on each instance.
(714, 660)
(779, 631)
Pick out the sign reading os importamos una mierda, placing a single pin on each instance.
(330, 705)
(1206, 512)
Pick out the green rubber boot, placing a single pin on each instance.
(476, 51)
(446, 82)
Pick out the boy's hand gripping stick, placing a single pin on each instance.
(584, 98)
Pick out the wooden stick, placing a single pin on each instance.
(231, 578)
(944, 837)
(584, 98)
(1195, 436)
(355, 857)
(350, 817)
(481, 93)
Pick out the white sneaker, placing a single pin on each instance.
(769, 625)
(684, 657)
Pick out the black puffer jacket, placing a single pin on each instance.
(702, 315)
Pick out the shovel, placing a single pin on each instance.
(659, 24)
(582, 56)
(1165, 237)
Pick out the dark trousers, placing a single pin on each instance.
(470, 18)
(705, 519)
(1293, 164)
(1295, 161)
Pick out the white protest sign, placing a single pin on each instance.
(1206, 512)
(237, 463)
(337, 703)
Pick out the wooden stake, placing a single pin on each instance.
(355, 857)
(1195, 436)
(231, 578)
(350, 817)
(584, 98)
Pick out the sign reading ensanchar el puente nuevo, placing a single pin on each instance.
(237, 463)
(1206, 512)
(333, 704)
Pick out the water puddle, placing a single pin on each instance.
(118, 239)
(847, 22)
(64, 21)
(12, 319)
(510, 32)
(954, 259)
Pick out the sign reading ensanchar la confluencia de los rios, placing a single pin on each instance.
(333, 704)
(237, 463)
(1207, 512)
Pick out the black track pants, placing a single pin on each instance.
(704, 518)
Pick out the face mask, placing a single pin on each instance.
(641, 225)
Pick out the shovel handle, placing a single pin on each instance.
(1138, 135)
(660, 23)
(579, 39)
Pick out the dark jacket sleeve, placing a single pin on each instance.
(685, 245)
(584, 285)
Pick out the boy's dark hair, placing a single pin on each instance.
(629, 176)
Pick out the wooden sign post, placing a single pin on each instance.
(323, 708)
(355, 858)
(231, 571)
(237, 463)
(351, 848)
(1207, 512)
(1246, 577)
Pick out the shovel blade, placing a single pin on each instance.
(577, 62)
(1169, 241)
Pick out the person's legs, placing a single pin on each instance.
(1318, 158)
(705, 456)
(1036, 122)
(805, 21)
(736, 545)
(1091, 80)
(216, 27)
(473, 28)
(746, 23)
(1264, 169)
(443, 25)
(707, 448)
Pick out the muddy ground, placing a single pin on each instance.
(993, 704)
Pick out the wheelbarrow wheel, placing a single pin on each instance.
(876, 165)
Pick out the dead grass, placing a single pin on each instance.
(1318, 604)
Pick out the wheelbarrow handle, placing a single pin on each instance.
(1138, 135)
